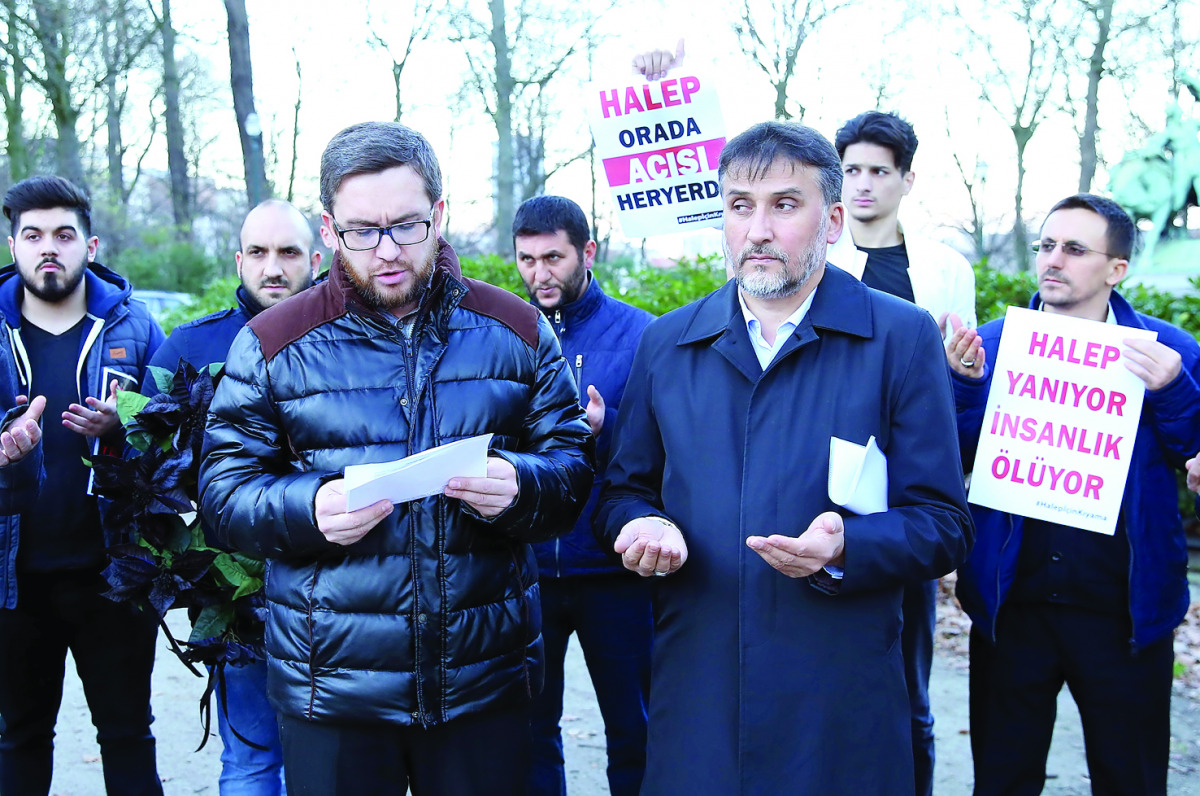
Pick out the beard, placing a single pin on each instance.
(388, 297)
(255, 299)
(568, 291)
(791, 276)
(54, 286)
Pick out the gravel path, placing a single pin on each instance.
(184, 771)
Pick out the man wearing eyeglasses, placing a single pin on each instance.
(403, 639)
(1053, 604)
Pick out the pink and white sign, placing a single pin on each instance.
(660, 142)
(1060, 423)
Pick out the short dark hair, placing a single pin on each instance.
(887, 130)
(546, 215)
(1121, 233)
(372, 147)
(758, 148)
(45, 192)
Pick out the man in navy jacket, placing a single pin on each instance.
(71, 336)
(777, 612)
(276, 261)
(584, 589)
(1053, 604)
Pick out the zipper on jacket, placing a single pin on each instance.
(408, 346)
(579, 380)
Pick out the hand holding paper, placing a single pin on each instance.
(1155, 364)
(417, 476)
(339, 525)
(491, 494)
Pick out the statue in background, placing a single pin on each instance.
(1162, 178)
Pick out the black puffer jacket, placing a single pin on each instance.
(434, 613)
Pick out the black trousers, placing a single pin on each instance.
(113, 648)
(484, 754)
(1124, 700)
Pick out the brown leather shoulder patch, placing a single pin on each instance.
(505, 307)
(291, 319)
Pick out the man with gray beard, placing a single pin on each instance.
(777, 617)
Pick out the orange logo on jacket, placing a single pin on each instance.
(116, 353)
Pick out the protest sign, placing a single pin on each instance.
(660, 142)
(1060, 422)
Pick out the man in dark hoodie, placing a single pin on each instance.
(585, 590)
(73, 337)
(276, 261)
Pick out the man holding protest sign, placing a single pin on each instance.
(1050, 601)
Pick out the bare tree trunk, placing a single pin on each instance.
(781, 111)
(241, 80)
(1087, 139)
(181, 200)
(110, 40)
(505, 85)
(51, 33)
(296, 127)
(1022, 136)
(16, 147)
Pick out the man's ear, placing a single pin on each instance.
(237, 259)
(1119, 269)
(439, 213)
(589, 254)
(93, 246)
(315, 261)
(837, 219)
(328, 236)
(909, 177)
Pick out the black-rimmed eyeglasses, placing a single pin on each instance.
(361, 239)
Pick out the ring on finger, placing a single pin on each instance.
(967, 363)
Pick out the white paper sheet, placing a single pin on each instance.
(417, 476)
(858, 477)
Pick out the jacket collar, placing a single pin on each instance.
(246, 302)
(841, 304)
(581, 308)
(1125, 313)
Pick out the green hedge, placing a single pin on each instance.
(656, 290)
(160, 262)
(660, 290)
